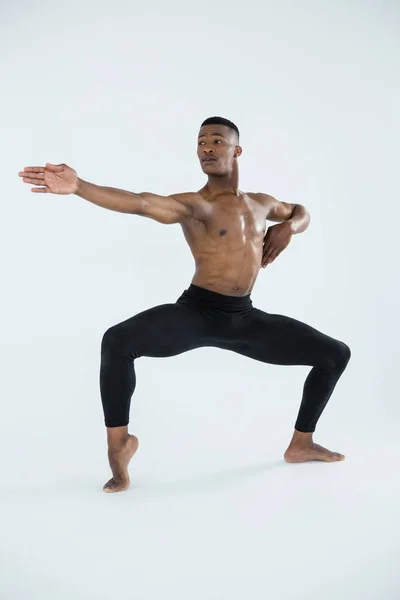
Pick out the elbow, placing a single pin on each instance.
(306, 214)
(139, 206)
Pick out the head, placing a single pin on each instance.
(218, 146)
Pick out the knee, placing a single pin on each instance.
(341, 356)
(116, 343)
(110, 338)
(112, 342)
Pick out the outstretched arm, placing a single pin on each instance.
(62, 179)
(164, 209)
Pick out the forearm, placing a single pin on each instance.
(299, 220)
(108, 197)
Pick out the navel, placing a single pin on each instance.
(222, 232)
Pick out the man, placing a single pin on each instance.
(226, 232)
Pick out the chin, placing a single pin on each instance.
(210, 169)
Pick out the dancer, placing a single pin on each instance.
(225, 229)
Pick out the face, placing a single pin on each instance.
(217, 149)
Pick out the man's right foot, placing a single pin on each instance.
(303, 449)
(119, 458)
(298, 454)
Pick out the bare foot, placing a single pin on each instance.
(297, 453)
(119, 461)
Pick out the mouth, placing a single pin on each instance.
(208, 160)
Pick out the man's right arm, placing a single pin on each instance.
(163, 209)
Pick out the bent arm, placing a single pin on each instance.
(296, 215)
(300, 219)
(164, 209)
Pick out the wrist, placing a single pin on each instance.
(291, 226)
(79, 186)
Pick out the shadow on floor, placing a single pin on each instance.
(203, 482)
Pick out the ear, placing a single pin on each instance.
(238, 151)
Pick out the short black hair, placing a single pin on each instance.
(221, 121)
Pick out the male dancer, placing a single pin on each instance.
(225, 229)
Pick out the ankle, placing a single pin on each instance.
(301, 438)
(117, 437)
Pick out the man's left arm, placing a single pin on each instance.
(291, 218)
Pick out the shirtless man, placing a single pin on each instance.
(226, 232)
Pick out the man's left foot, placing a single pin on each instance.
(297, 453)
(119, 458)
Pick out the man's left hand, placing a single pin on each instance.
(276, 239)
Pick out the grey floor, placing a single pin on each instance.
(207, 516)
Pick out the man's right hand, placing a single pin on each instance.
(54, 179)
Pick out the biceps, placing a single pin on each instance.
(163, 209)
(280, 211)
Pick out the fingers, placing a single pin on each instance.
(42, 190)
(48, 166)
(34, 169)
(264, 262)
(269, 258)
(267, 254)
(55, 167)
(37, 180)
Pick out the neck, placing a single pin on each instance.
(225, 183)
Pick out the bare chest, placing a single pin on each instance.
(232, 216)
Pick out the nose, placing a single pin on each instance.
(209, 150)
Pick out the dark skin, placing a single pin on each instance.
(246, 241)
(224, 227)
(227, 234)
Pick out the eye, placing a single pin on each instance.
(216, 141)
(200, 143)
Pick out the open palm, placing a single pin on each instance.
(53, 179)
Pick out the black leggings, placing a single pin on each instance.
(203, 318)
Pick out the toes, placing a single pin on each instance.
(109, 484)
(335, 457)
(115, 486)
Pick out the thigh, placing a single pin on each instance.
(281, 340)
(161, 331)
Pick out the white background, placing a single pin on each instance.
(118, 91)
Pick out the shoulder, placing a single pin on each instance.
(264, 199)
(194, 202)
(276, 210)
(188, 198)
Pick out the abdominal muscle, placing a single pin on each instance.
(226, 242)
(230, 272)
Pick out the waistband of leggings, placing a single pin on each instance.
(205, 295)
